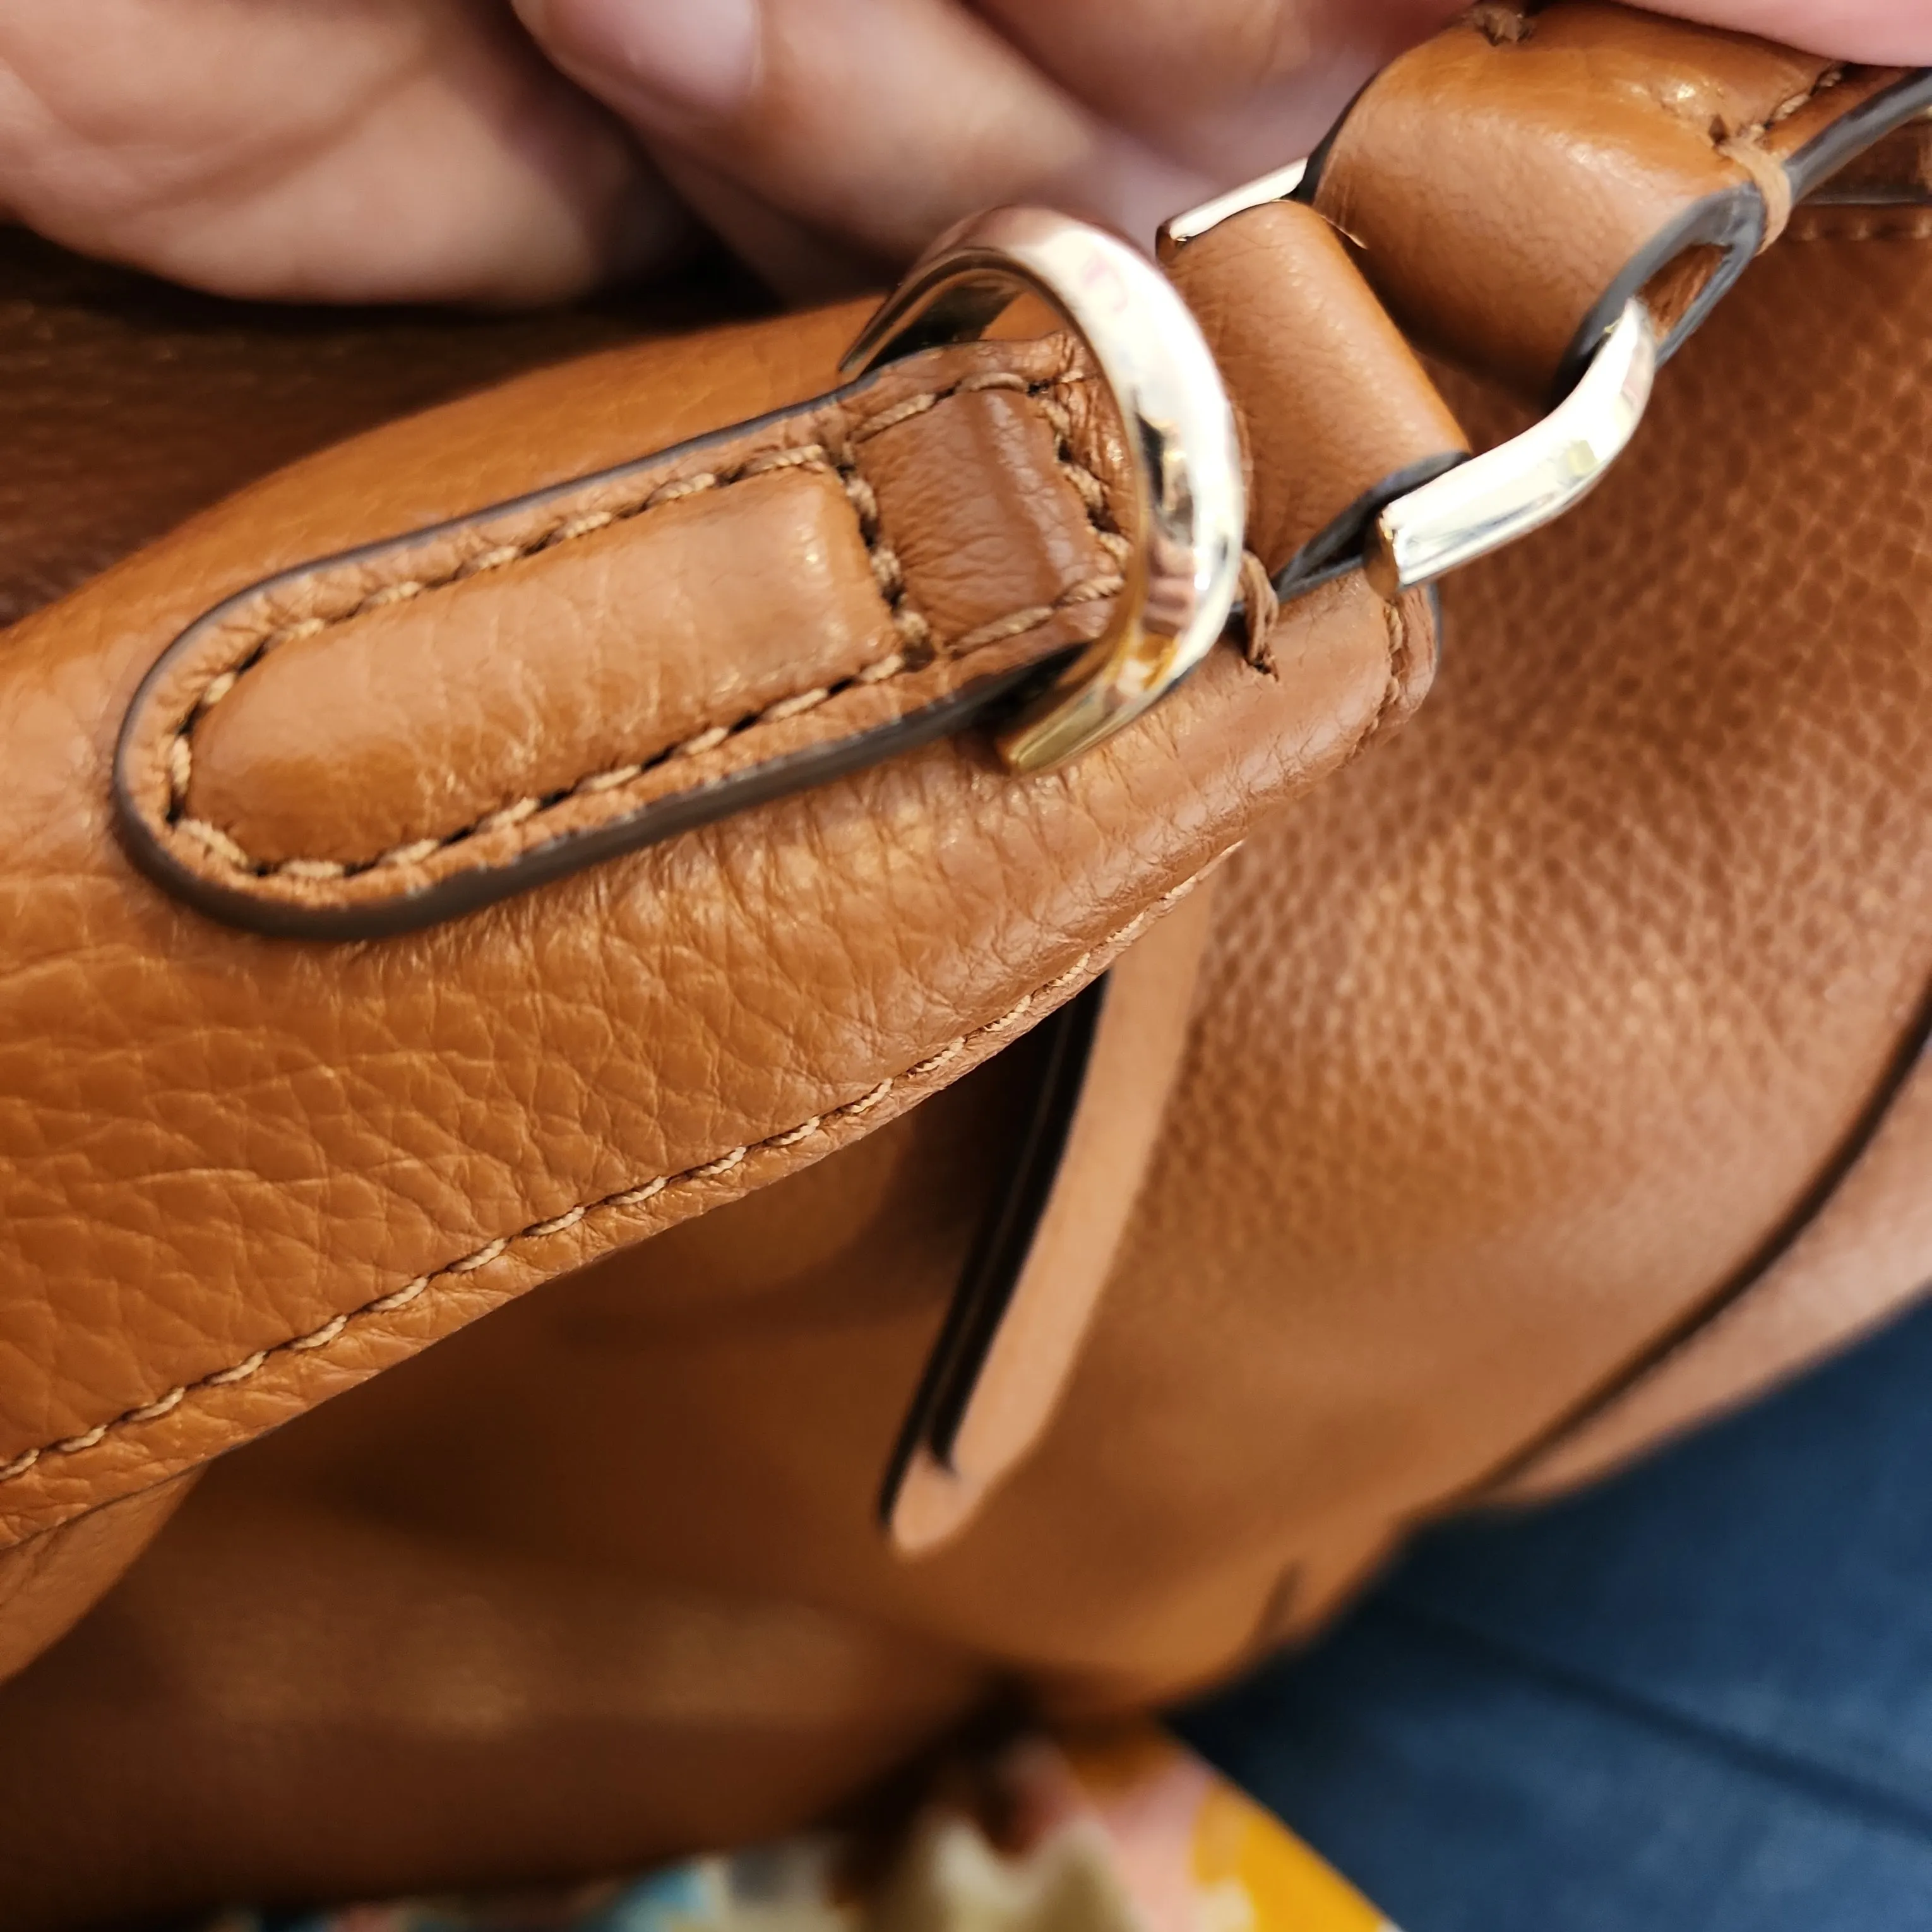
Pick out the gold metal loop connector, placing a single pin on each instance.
(1495, 498)
(1190, 506)
(1500, 496)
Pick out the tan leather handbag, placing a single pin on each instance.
(486, 843)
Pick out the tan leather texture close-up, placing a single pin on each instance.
(126, 404)
(1472, 1106)
(322, 1159)
(331, 753)
(1638, 920)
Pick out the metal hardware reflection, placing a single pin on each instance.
(1190, 508)
(1182, 228)
(1502, 495)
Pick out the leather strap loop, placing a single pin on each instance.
(1512, 183)
(1311, 356)
(393, 737)
(398, 734)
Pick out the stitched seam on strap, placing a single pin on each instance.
(1745, 149)
(633, 1196)
(1401, 642)
(912, 627)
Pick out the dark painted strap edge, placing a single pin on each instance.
(998, 1257)
(1734, 223)
(467, 891)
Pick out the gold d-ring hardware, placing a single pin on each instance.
(1190, 506)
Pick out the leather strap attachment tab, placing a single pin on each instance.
(388, 737)
(1512, 183)
(1339, 416)
(397, 734)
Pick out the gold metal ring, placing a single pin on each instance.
(1190, 505)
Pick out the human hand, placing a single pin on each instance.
(438, 149)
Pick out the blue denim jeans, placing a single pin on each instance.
(1696, 1699)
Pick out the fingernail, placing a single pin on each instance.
(696, 57)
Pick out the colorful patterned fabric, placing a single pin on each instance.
(1124, 1832)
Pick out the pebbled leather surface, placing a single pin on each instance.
(1849, 1260)
(1638, 913)
(240, 1175)
(1513, 1044)
(382, 739)
(595, 1580)
(462, 702)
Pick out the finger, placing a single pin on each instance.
(878, 122)
(1883, 33)
(372, 150)
(802, 265)
(1236, 86)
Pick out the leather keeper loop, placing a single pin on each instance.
(1310, 352)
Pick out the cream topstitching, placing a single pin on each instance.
(912, 627)
(629, 1197)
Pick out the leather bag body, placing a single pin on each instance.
(1475, 1102)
